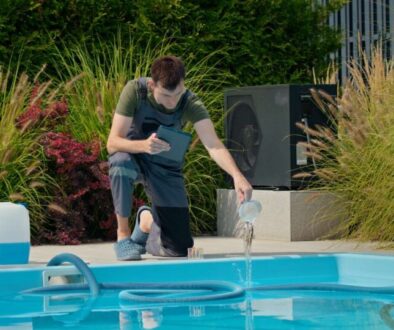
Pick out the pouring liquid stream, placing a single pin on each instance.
(248, 212)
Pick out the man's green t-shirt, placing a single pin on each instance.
(194, 109)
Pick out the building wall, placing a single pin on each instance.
(363, 24)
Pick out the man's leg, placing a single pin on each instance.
(170, 231)
(143, 223)
(123, 172)
(123, 227)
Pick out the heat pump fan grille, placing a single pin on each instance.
(244, 137)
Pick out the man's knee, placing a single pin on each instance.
(122, 165)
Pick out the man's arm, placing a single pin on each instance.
(219, 153)
(117, 140)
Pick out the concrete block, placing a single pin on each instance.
(286, 215)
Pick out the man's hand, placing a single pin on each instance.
(153, 145)
(242, 188)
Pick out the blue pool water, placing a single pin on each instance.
(257, 309)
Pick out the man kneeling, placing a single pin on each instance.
(134, 148)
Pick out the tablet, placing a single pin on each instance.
(178, 140)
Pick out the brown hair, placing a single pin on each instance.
(169, 70)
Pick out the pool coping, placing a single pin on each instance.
(213, 246)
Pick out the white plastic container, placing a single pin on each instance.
(14, 234)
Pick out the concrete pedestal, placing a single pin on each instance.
(286, 215)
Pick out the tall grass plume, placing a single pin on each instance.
(356, 155)
(23, 173)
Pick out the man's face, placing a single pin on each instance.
(168, 99)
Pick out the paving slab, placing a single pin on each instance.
(213, 247)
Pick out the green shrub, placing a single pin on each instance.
(260, 41)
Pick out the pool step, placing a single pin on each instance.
(57, 275)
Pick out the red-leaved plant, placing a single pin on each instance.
(35, 113)
(87, 201)
(82, 209)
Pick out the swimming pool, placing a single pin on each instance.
(257, 309)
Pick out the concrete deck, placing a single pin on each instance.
(213, 247)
